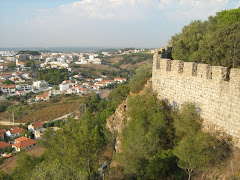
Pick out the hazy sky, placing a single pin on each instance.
(107, 23)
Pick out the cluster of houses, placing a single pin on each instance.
(57, 60)
(15, 77)
(61, 62)
(130, 51)
(68, 87)
(22, 89)
(18, 78)
(20, 143)
(88, 59)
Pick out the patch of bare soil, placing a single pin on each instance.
(10, 163)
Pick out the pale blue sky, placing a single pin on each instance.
(107, 23)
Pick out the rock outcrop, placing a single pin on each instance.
(116, 124)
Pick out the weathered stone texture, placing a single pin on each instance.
(116, 124)
(217, 99)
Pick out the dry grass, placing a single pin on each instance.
(226, 170)
(50, 112)
(130, 66)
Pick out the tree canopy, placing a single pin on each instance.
(215, 41)
(53, 76)
(143, 73)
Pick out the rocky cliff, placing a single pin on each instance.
(120, 119)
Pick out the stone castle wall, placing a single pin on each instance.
(217, 98)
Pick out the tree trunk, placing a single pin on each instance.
(189, 176)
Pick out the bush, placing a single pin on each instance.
(2, 108)
(143, 73)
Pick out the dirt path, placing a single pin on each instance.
(7, 123)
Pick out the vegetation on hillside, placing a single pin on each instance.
(41, 111)
(143, 73)
(53, 76)
(73, 152)
(158, 143)
(29, 52)
(30, 63)
(134, 58)
(215, 41)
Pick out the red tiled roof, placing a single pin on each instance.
(119, 79)
(22, 63)
(21, 91)
(24, 143)
(107, 80)
(4, 144)
(99, 82)
(3, 131)
(82, 89)
(41, 96)
(21, 139)
(8, 86)
(37, 124)
(15, 130)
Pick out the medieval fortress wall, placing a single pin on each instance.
(217, 98)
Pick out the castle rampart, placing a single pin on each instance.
(216, 94)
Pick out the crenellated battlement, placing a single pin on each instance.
(214, 90)
(188, 69)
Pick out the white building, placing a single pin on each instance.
(24, 87)
(35, 126)
(14, 132)
(65, 85)
(23, 143)
(9, 89)
(120, 80)
(95, 61)
(40, 84)
(98, 79)
(21, 93)
(105, 53)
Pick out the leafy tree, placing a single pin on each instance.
(120, 93)
(25, 166)
(53, 76)
(8, 82)
(163, 165)
(30, 63)
(187, 121)
(11, 65)
(195, 149)
(5, 176)
(215, 41)
(86, 143)
(147, 134)
(143, 73)
(56, 170)
(27, 133)
(2, 108)
(29, 52)
(196, 153)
